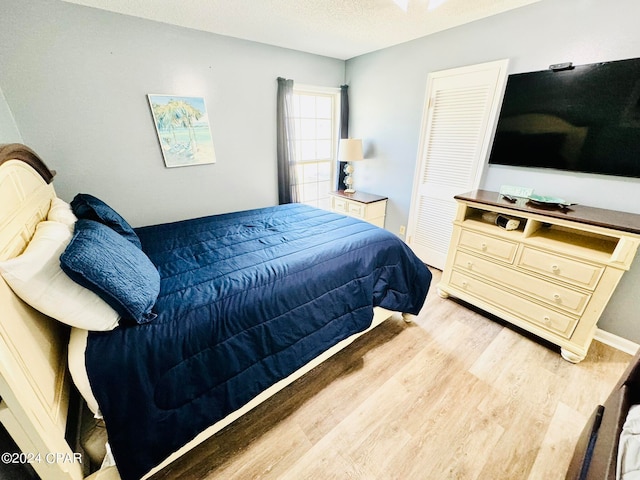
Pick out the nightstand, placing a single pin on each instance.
(365, 206)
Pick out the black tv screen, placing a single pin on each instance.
(583, 119)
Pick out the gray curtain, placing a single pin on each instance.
(287, 184)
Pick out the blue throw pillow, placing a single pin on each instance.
(121, 274)
(91, 208)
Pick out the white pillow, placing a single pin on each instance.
(60, 211)
(36, 277)
(78, 370)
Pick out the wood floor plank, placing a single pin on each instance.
(269, 457)
(525, 427)
(328, 463)
(513, 365)
(554, 454)
(454, 395)
(456, 438)
(356, 383)
(369, 433)
(600, 370)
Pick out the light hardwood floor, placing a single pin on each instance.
(455, 395)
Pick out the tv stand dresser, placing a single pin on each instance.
(552, 275)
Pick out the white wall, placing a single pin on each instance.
(76, 80)
(387, 90)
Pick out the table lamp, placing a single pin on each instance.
(350, 150)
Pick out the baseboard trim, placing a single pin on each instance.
(619, 343)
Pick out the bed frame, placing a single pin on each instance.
(34, 384)
(34, 381)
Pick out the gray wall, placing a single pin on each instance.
(76, 80)
(8, 129)
(387, 91)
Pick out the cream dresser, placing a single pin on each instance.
(365, 206)
(552, 276)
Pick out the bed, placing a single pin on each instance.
(219, 313)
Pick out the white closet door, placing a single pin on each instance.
(457, 128)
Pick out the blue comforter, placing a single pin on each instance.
(246, 299)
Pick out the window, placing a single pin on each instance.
(316, 127)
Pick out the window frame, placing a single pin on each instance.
(335, 95)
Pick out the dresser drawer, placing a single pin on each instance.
(356, 209)
(339, 205)
(578, 273)
(527, 310)
(559, 296)
(491, 246)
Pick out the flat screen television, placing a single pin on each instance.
(582, 119)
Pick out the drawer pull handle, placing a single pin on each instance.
(556, 297)
(469, 264)
(483, 246)
(555, 268)
(464, 284)
(546, 320)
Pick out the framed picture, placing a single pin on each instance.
(183, 129)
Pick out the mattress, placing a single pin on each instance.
(245, 300)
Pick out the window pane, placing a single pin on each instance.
(324, 129)
(310, 172)
(324, 107)
(303, 193)
(307, 106)
(323, 189)
(324, 203)
(296, 105)
(307, 129)
(297, 128)
(323, 149)
(309, 192)
(324, 171)
(307, 150)
(297, 152)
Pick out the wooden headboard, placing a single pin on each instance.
(34, 384)
(25, 197)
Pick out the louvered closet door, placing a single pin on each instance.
(457, 128)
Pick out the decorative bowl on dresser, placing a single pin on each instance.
(551, 272)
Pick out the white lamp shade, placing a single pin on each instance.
(350, 150)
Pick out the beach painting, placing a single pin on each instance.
(183, 129)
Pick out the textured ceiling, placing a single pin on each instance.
(336, 28)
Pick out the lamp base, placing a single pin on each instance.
(349, 190)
